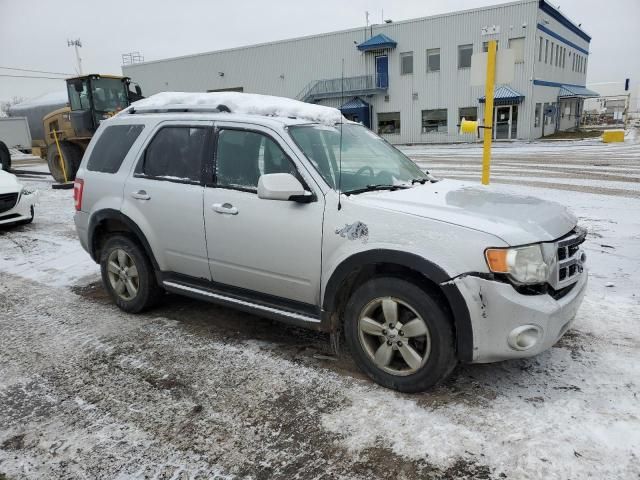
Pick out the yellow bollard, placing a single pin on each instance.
(488, 111)
(64, 170)
(609, 136)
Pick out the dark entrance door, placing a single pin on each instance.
(382, 71)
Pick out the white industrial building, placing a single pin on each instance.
(411, 80)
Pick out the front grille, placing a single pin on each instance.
(8, 201)
(569, 262)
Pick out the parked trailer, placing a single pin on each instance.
(14, 133)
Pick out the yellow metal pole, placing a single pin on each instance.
(488, 111)
(64, 170)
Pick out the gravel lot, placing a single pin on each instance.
(195, 391)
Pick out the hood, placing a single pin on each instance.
(9, 182)
(516, 219)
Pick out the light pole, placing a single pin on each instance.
(75, 44)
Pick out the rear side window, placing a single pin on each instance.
(112, 146)
(175, 153)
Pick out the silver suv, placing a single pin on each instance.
(286, 214)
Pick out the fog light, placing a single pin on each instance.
(524, 337)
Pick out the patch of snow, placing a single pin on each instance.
(246, 103)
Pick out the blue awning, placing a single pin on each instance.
(377, 42)
(573, 91)
(504, 96)
(355, 102)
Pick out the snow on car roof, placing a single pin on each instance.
(245, 103)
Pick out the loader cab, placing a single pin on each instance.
(93, 98)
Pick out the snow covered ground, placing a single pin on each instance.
(192, 390)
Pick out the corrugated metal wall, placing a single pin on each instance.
(285, 68)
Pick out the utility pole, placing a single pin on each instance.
(75, 44)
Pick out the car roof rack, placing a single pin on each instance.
(181, 109)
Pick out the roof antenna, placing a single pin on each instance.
(340, 150)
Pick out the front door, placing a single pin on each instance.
(267, 246)
(382, 71)
(505, 122)
(502, 123)
(164, 196)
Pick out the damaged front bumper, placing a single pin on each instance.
(507, 324)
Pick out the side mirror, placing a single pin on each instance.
(282, 186)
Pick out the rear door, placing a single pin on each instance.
(267, 246)
(164, 194)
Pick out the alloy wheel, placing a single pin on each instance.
(394, 336)
(123, 274)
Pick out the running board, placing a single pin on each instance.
(257, 308)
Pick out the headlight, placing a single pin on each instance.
(522, 264)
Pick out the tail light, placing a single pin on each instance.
(78, 188)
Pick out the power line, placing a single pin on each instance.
(33, 76)
(34, 71)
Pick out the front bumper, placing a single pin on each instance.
(497, 309)
(21, 210)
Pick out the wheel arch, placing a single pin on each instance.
(108, 221)
(356, 269)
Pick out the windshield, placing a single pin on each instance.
(109, 95)
(367, 159)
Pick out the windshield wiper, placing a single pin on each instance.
(421, 181)
(371, 188)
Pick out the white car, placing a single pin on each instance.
(17, 202)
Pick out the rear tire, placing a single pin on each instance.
(127, 274)
(5, 157)
(72, 155)
(399, 334)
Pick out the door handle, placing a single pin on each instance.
(141, 195)
(224, 208)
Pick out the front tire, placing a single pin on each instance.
(399, 334)
(128, 275)
(72, 155)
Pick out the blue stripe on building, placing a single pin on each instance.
(562, 39)
(556, 15)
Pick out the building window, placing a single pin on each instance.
(557, 55)
(485, 46)
(434, 121)
(468, 113)
(389, 123)
(464, 56)
(540, 50)
(536, 121)
(517, 45)
(433, 60)
(406, 63)
(546, 50)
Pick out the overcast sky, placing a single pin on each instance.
(34, 33)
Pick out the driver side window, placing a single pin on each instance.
(243, 156)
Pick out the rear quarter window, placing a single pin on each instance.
(112, 146)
